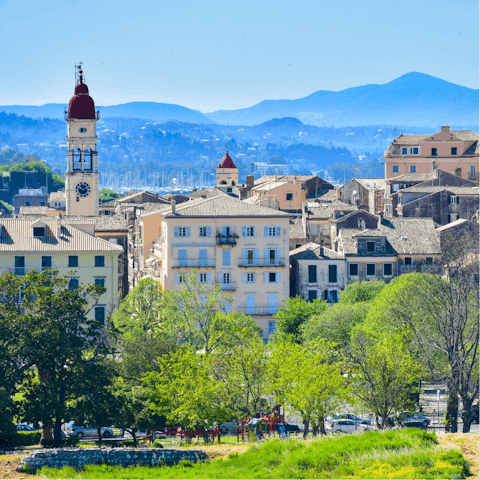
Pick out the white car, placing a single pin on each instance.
(81, 432)
(353, 418)
(344, 426)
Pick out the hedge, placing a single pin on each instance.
(66, 442)
(21, 439)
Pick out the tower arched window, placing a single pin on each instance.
(77, 159)
(87, 159)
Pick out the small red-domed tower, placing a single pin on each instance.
(227, 174)
(81, 185)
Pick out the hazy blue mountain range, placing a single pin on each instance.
(155, 112)
(414, 99)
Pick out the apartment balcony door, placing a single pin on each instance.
(203, 257)
(272, 304)
(182, 257)
(250, 304)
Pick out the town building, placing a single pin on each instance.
(454, 151)
(29, 197)
(313, 185)
(50, 243)
(365, 193)
(289, 196)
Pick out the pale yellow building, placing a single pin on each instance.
(42, 244)
(288, 195)
(241, 247)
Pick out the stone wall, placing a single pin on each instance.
(78, 457)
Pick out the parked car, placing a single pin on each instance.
(416, 417)
(24, 427)
(415, 424)
(474, 413)
(81, 432)
(289, 428)
(353, 418)
(170, 430)
(229, 428)
(345, 426)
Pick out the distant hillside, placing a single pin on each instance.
(155, 112)
(413, 99)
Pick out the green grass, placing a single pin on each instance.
(401, 454)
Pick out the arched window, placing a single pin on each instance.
(77, 159)
(87, 159)
(223, 182)
(233, 183)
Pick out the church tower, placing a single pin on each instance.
(227, 174)
(81, 185)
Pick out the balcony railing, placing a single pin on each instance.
(230, 239)
(227, 287)
(261, 262)
(258, 310)
(419, 268)
(193, 263)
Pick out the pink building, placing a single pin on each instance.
(454, 151)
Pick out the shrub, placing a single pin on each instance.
(185, 463)
(157, 444)
(66, 442)
(21, 439)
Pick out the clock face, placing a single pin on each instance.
(82, 189)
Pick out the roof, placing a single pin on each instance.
(289, 179)
(319, 210)
(412, 177)
(296, 229)
(17, 236)
(314, 251)
(207, 193)
(81, 104)
(329, 196)
(145, 193)
(35, 210)
(355, 212)
(224, 206)
(57, 196)
(102, 223)
(454, 224)
(265, 187)
(377, 183)
(410, 236)
(410, 139)
(227, 162)
(434, 189)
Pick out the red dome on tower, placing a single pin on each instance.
(227, 162)
(81, 105)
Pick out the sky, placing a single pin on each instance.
(211, 55)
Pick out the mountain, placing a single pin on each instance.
(155, 112)
(414, 99)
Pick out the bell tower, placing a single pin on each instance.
(227, 174)
(81, 185)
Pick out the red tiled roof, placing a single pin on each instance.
(227, 162)
(81, 104)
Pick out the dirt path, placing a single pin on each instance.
(468, 444)
(9, 464)
(216, 451)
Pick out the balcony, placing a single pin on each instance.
(419, 268)
(230, 239)
(261, 262)
(258, 311)
(227, 287)
(193, 263)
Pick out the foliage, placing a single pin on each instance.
(20, 439)
(309, 379)
(65, 442)
(106, 195)
(44, 172)
(409, 453)
(291, 316)
(361, 291)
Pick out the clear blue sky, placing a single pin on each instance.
(209, 54)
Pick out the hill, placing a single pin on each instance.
(414, 99)
(155, 112)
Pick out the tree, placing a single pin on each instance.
(361, 291)
(62, 341)
(309, 379)
(106, 195)
(293, 314)
(384, 372)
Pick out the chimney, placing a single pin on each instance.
(250, 181)
(194, 189)
(59, 226)
(458, 171)
(338, 192)
(174, 203)
(381, 214)
(445, 129)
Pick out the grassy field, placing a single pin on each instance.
(401, 454)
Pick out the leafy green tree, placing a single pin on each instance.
(309, 379)
(361, 291)
(62, 340)
(55, 182)
(106, 195)
(293, 314)
(384, 372)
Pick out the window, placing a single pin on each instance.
(19, 265)
(434, 152)
(312, 274)
(370, 269)
(289, 197)
(82, 130)
(180, 278)
(182, 232)
(404, 151)
(272, 256)
(272, 277)
(38, 231)
(472, 172)
(413, 169)
(454, 199)
(395, 168)
(46, 262)
(314, 229)
(454, 150)
(202, 231)
(312, 295)
(77, 159)
(73, 260)
(250, 278)
(250, 256)
(248, 231)
(429, 261)
(27, 204)
(353, 269)
(272, 231)
(226, 257)
(182, 257)
(298, 245)
(99, 260)
(333, 296)
(42, 204)
(203, 278)
(87, 159)
(272, 326)
(250, 310)
(100, 282)
(387, 269)
(408, 261)
(272, 304)
(452, 217)
(226, 277)
(332, 274)
(361, 224)
(370, 247)
(415, 150)
(100, 314)
(73, 284)
(229, 190)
